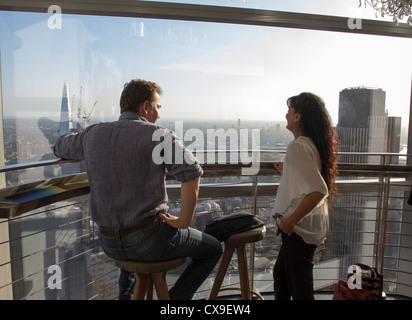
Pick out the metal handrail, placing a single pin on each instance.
(28, 165)
(346, 168)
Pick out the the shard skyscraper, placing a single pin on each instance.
(66, 124)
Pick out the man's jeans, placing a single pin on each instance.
(164, 243)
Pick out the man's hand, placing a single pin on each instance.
(171, 220)
(189, 195)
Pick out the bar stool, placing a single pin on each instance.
(237, 241)
(149, 274)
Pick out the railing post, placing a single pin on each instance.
(252, 245)
(382, 215)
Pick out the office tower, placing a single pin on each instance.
(360, 123)
(66, 124)
(364, 125)
(356, 105)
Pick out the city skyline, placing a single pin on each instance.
(208, 71)
(39, 135)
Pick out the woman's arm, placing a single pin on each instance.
(308, 203)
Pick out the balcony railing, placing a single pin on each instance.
(49, 248)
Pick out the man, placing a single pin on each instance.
(128, 195)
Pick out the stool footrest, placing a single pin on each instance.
(257, 294)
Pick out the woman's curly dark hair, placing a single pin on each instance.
(316, 124)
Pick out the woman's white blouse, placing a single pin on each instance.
(301, 175)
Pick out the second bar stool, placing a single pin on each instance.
(237, 241)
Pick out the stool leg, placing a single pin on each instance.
(243, 272)
(224, 263)
(142, 283)
(149, 293)
(159, 280)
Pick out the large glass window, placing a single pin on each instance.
(211, 73)
(63, 75)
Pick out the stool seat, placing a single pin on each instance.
(149, 267)
(237, 241)
(247, 236)
(149, 274)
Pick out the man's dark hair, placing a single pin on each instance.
(135, 92)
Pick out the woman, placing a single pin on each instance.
(304, 194)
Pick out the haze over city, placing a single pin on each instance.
(207, 71)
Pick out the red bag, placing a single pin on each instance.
(342, 292)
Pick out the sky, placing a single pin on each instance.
(207, 71)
